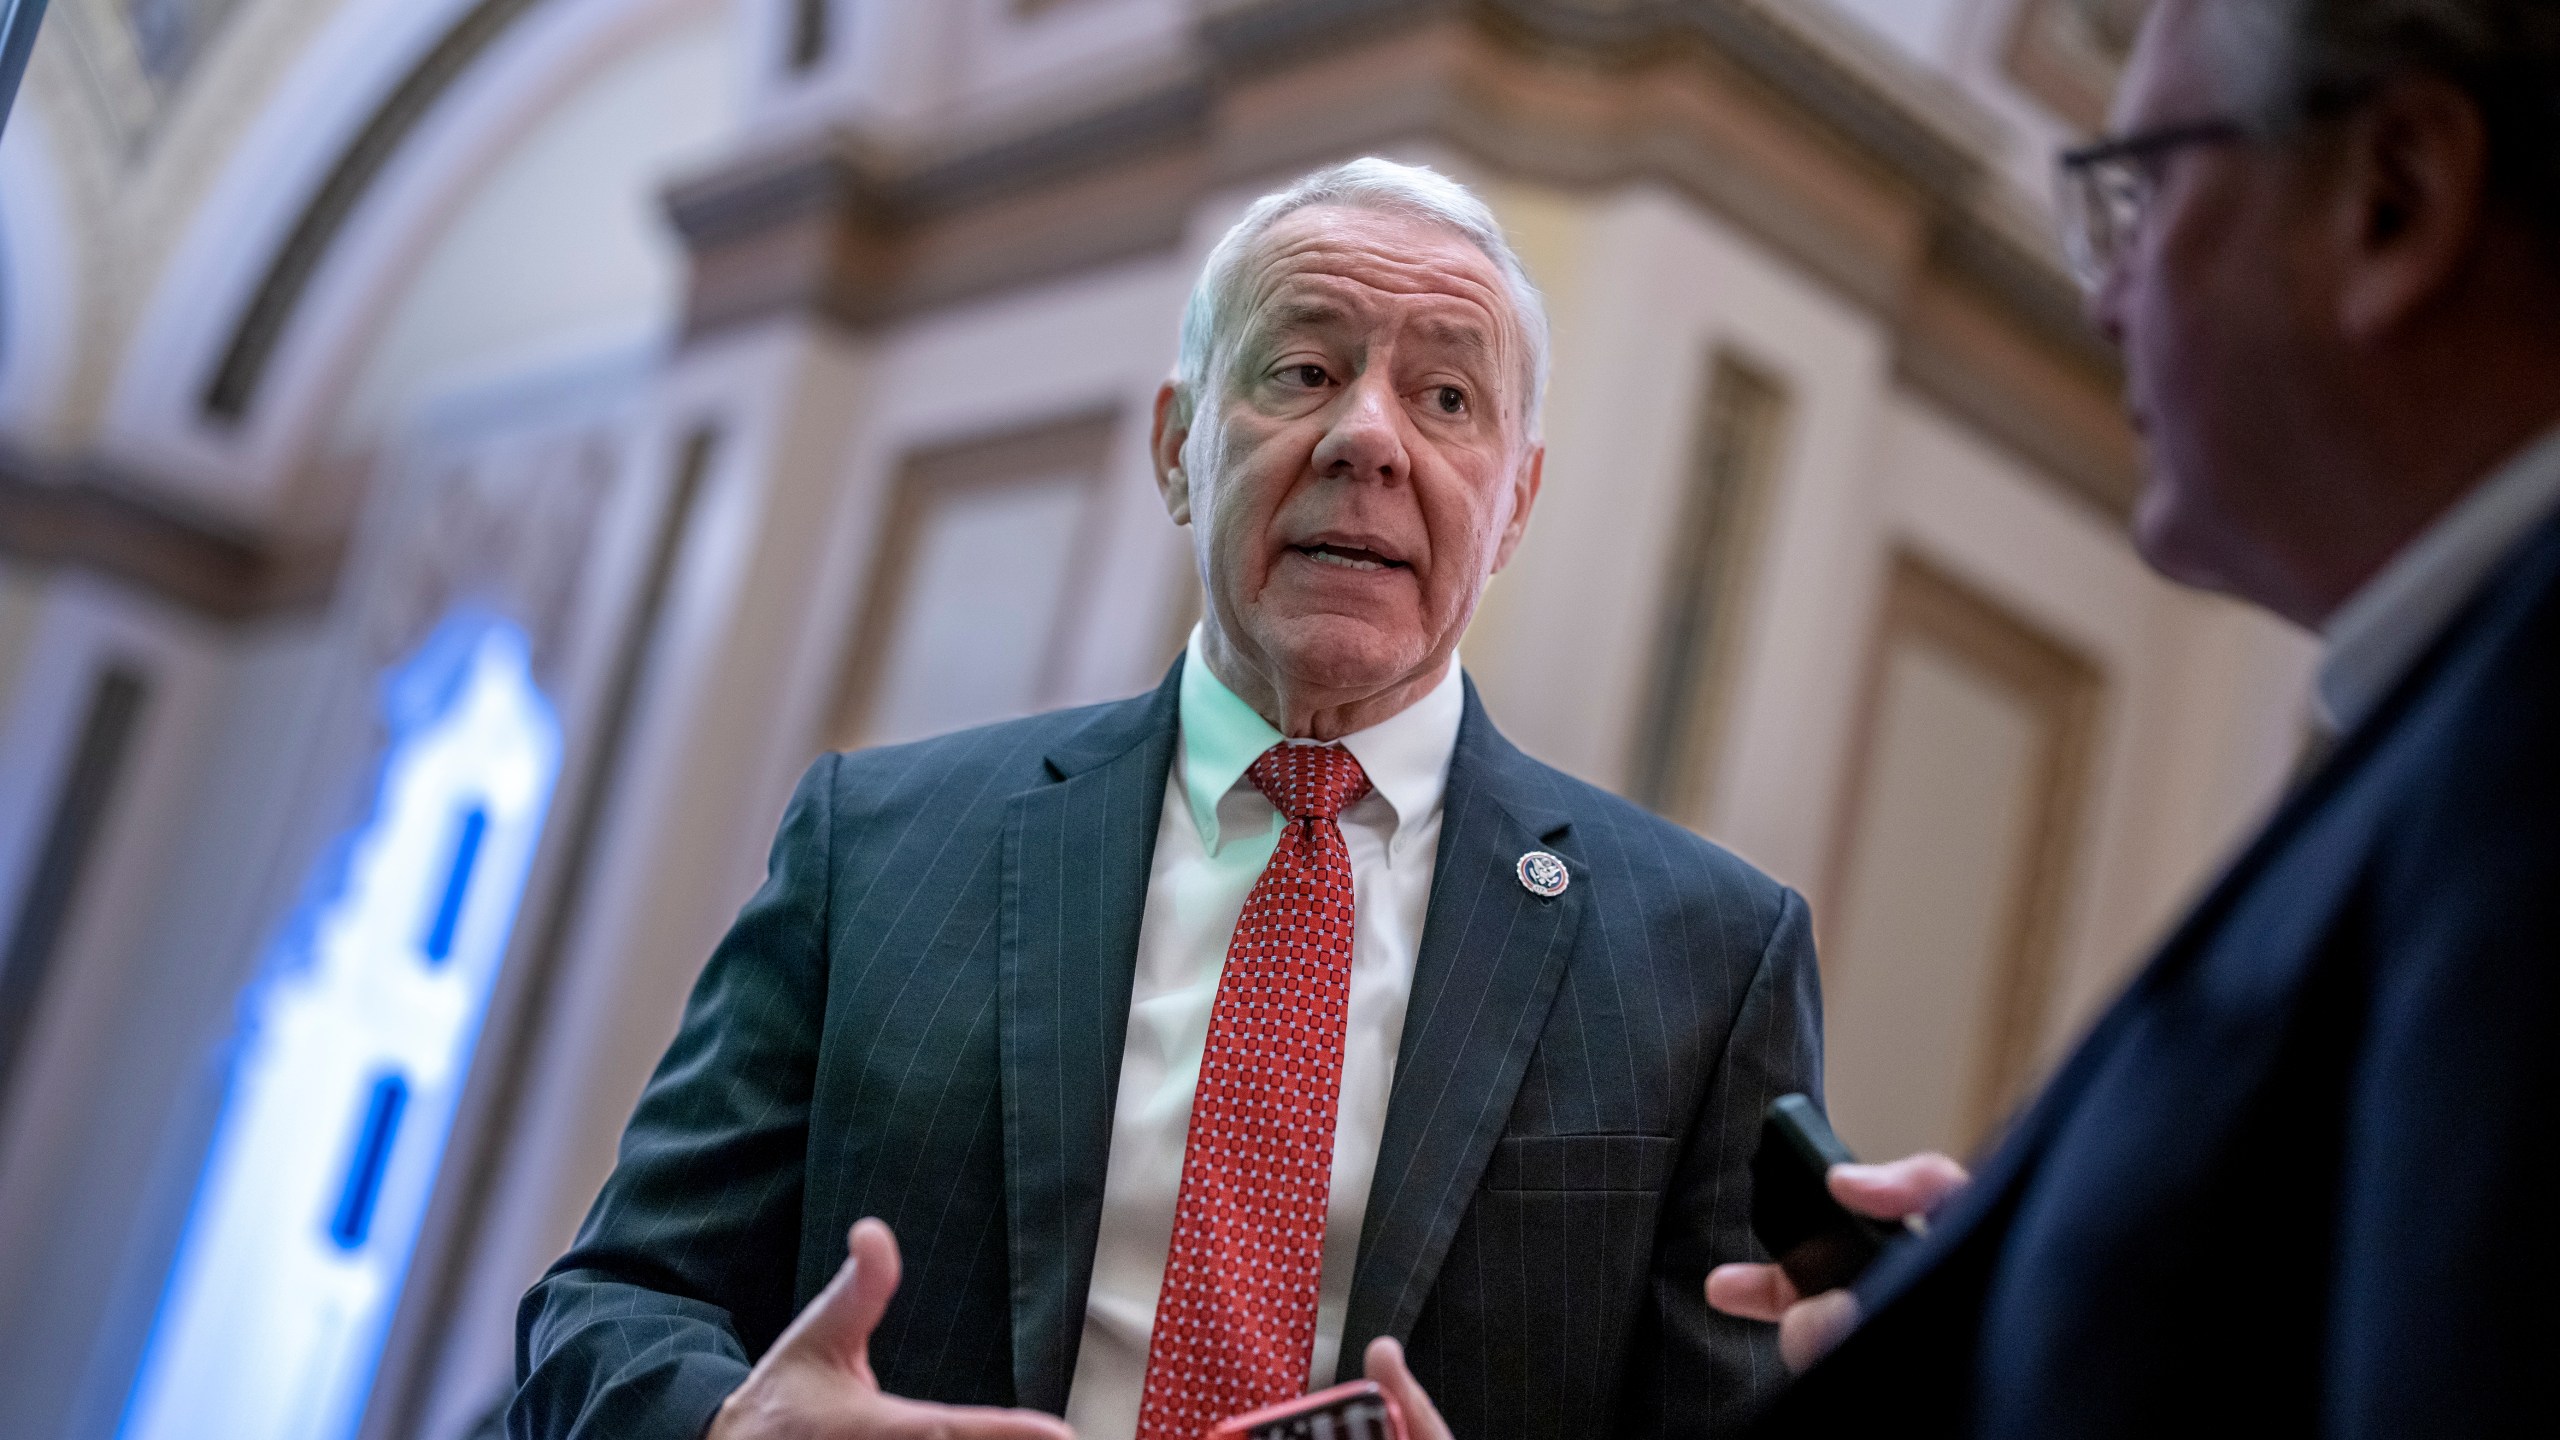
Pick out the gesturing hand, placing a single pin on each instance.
(816, 1381)
(1808, 1326)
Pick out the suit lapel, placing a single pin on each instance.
(1491, 957)
(1076, 858)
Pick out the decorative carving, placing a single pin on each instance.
(505, 522)
(135, 54)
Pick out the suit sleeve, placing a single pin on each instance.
(684, 1268)
(2440, 1319)
(1711, 1372)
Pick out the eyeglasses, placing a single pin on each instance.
(2103, 190)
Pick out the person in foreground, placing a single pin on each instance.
(1188, 1045)
(2297, 1180)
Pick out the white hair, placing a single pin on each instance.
(1386, 187)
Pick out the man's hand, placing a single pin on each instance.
(1384, 1363)
(1808, 1326)
(816, 1381)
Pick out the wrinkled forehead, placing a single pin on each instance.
(1357, 270)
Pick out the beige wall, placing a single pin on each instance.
(2197, 701)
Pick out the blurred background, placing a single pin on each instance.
(461, 459)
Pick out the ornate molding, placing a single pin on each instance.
(831, 225)
(505, 521)
(91, 519)
(1869, 178)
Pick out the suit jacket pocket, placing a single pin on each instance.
(1640, 1163)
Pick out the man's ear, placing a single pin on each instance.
(1525, 483)
(1172, 429)
(2413, 186)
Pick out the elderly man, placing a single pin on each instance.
(2297, 1181)
(1193, 1043)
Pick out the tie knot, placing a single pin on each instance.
(1309, 782)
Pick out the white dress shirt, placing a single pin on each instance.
(2382, 629)
(1216, 835)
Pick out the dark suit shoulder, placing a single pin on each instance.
(2446, 839)
(2477, 761)
(1660, 858)
(951, 773)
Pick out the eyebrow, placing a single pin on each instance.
(1457, 334)
(1304, 315)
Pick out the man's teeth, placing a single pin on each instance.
(1331, 557)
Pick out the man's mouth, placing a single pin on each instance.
(1349, 557)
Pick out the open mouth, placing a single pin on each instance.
(1349, 557)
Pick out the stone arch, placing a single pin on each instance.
(232, 387)
(319, 215)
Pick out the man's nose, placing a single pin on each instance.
(2105, 305)
(1366, 439)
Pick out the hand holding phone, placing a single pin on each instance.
(1360, 1410)
(1818, 1241)
(1794, 1205)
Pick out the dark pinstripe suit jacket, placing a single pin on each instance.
(920, 1017)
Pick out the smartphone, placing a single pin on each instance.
(1820, 1243)
(1357, 1411)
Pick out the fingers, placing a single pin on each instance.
(1913, 1185)
(873, 1252)
(1753, 1292)
(1384, 1363)
(1810, 1328)
(839, 1321)
(817, 1377)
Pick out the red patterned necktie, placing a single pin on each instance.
(1236, 1321)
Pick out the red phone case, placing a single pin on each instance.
(1357, 1411)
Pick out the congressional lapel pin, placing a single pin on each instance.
(1543, 875)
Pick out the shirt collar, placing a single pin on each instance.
(1406, 755)
(2382, 629)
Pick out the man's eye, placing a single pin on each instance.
(1310, 376)
(1450, 399)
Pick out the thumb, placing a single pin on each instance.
(1384, 1363)
(1913, 1185)
(838, 1323)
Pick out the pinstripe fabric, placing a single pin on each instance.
(1075, 890)
(1568, 1148)
(921, 1014)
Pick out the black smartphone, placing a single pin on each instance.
(1820, 1243)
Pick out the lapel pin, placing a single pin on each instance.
(1543, 875)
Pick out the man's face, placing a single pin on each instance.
(1361, 465)
(2214, 304)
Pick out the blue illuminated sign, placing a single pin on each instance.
(352, 1053)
